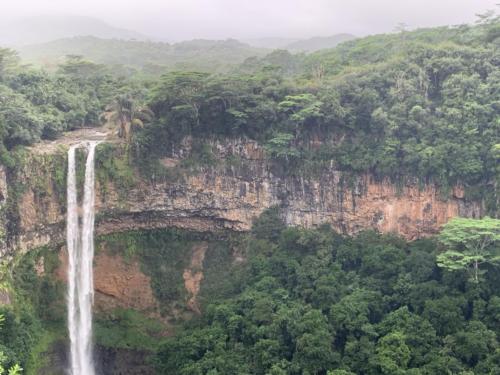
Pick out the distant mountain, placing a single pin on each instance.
(150, 57)
(301, 45)
(317, 43)
(47, 28)
(272, 43)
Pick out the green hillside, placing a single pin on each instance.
(149, 57)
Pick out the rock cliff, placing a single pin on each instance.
(228, 196)
(225, 194)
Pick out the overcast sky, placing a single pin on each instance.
(187, 19)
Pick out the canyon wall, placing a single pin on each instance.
(223, 195)
(228, 196)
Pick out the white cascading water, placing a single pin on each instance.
(72, 245)
(80, 243)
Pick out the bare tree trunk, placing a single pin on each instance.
(128, 127)
(476, 271)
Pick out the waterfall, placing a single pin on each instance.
(80, 244)
(72, 245)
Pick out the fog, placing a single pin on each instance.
(217, 19)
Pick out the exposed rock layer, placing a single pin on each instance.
(229, 197)
(193, 275)
(117, 283)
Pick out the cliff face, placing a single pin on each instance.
(230, 195)
(227, 195)
(117, 283)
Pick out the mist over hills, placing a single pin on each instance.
(47, 40)
(272, 43)
(301, 45)
(318, 43)
(149, 56)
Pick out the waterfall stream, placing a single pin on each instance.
(80, 244)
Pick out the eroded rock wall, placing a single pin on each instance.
(228, 196)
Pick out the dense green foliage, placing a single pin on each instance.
(13, 368)
(470, 244)
(36, 317)
(312, 302)
(301, 302)
(127, 329)
(421, 103)
(36, 105)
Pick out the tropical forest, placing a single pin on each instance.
(233, 190)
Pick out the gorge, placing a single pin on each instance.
(332, 213)
(212, 202)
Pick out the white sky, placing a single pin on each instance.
(187, 19)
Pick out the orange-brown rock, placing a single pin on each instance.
(194, 275)
(413, 212)
(229, 197)
(459, 192)
(117, 283)
(122, 284)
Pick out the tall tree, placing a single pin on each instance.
(77, 67)
(128, 113)
(470, 243)
(8, 61)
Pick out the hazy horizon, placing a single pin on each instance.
(180, 20)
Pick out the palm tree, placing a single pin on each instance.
(128, 114)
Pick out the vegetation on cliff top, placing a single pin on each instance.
(37, 105)
(421, 104)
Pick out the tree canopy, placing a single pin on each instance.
(470, 243)
(314, 302)
(425, 105)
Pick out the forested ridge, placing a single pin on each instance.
(147, 58)
(422, 104)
